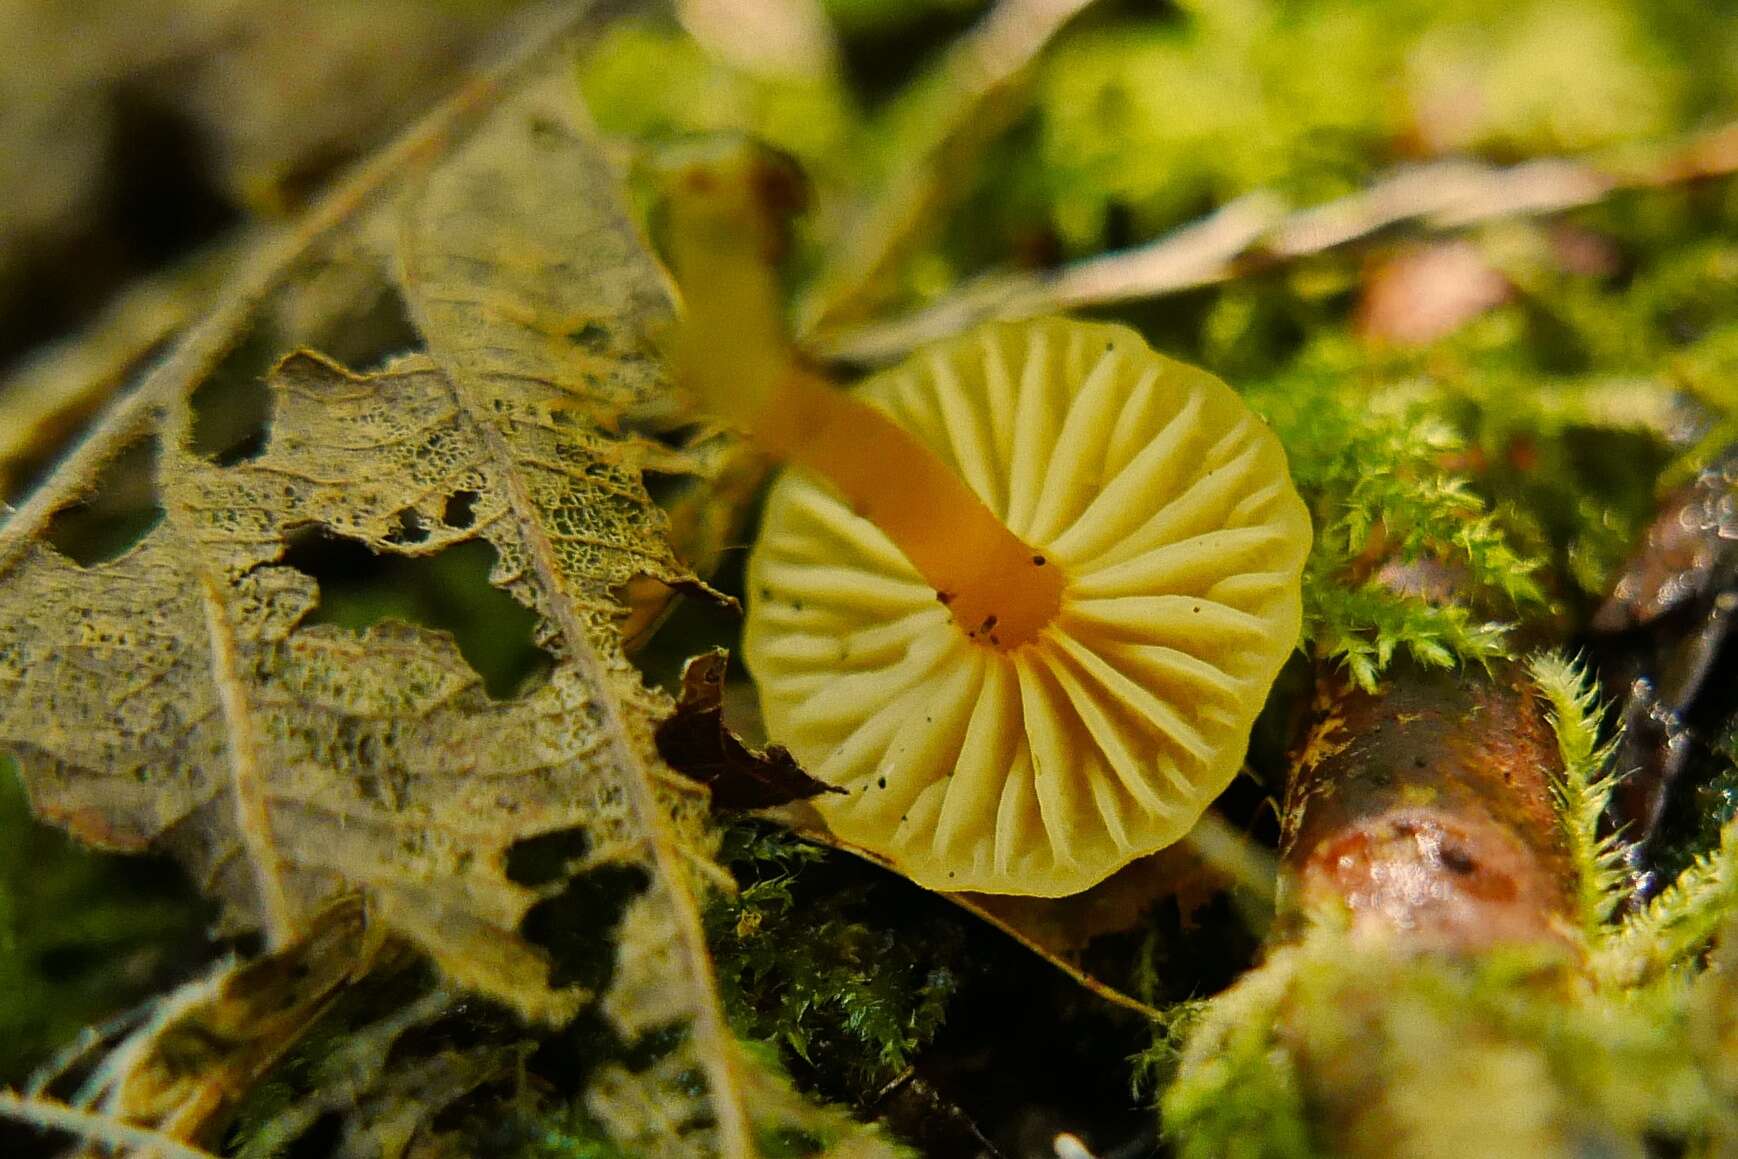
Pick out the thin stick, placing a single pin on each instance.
(1254, 233)
(45, 1112)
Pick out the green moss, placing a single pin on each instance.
(1372, 466)
(1156, 119)
(1335, 1049)
(1160, 119)
(844, 967)
(1517, 460)
(83, 935)
(648, 80)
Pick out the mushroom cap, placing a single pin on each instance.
(1044, 768)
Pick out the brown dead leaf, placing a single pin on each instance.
(697, 742)
(177, 695)
(1427, 293)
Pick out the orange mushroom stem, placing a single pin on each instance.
(733, 353)
(1000, 591)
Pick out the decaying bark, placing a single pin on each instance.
(1425, 810)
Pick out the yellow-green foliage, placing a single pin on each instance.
(1584, 789)
(648, 80)
(1372, 468)
(1161, 117)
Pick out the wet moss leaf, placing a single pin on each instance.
(179, 694)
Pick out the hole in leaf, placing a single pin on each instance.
(319, 1140)
(120, 513)
(410, 529)
(377, 331)
(591, 336)
(568, 1060)
(448, 591)
(460, 510)
(232, 410)
(665, 488)
(577, 925)
(545, 858)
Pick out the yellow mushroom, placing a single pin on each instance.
(1040, 759)
(1023, 596)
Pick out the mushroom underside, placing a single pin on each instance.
(1043, 768)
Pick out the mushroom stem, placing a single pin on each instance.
(733, 353)
(1002, 593)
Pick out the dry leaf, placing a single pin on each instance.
(697, 742)
(178, 697)
(1425, 293)
(370, 1076)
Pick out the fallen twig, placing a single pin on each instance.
(1256, 232)
(111, 1132)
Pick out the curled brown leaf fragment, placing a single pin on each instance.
(698, 744)
(1424, 294)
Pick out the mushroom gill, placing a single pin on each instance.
(1166, 545)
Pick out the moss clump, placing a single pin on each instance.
(1140, 125)
(845, 968)
(1378, 1052)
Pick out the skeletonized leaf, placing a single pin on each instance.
(173, 695)
(178, 696)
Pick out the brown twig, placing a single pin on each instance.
(1256, 232)
(1426, 811)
